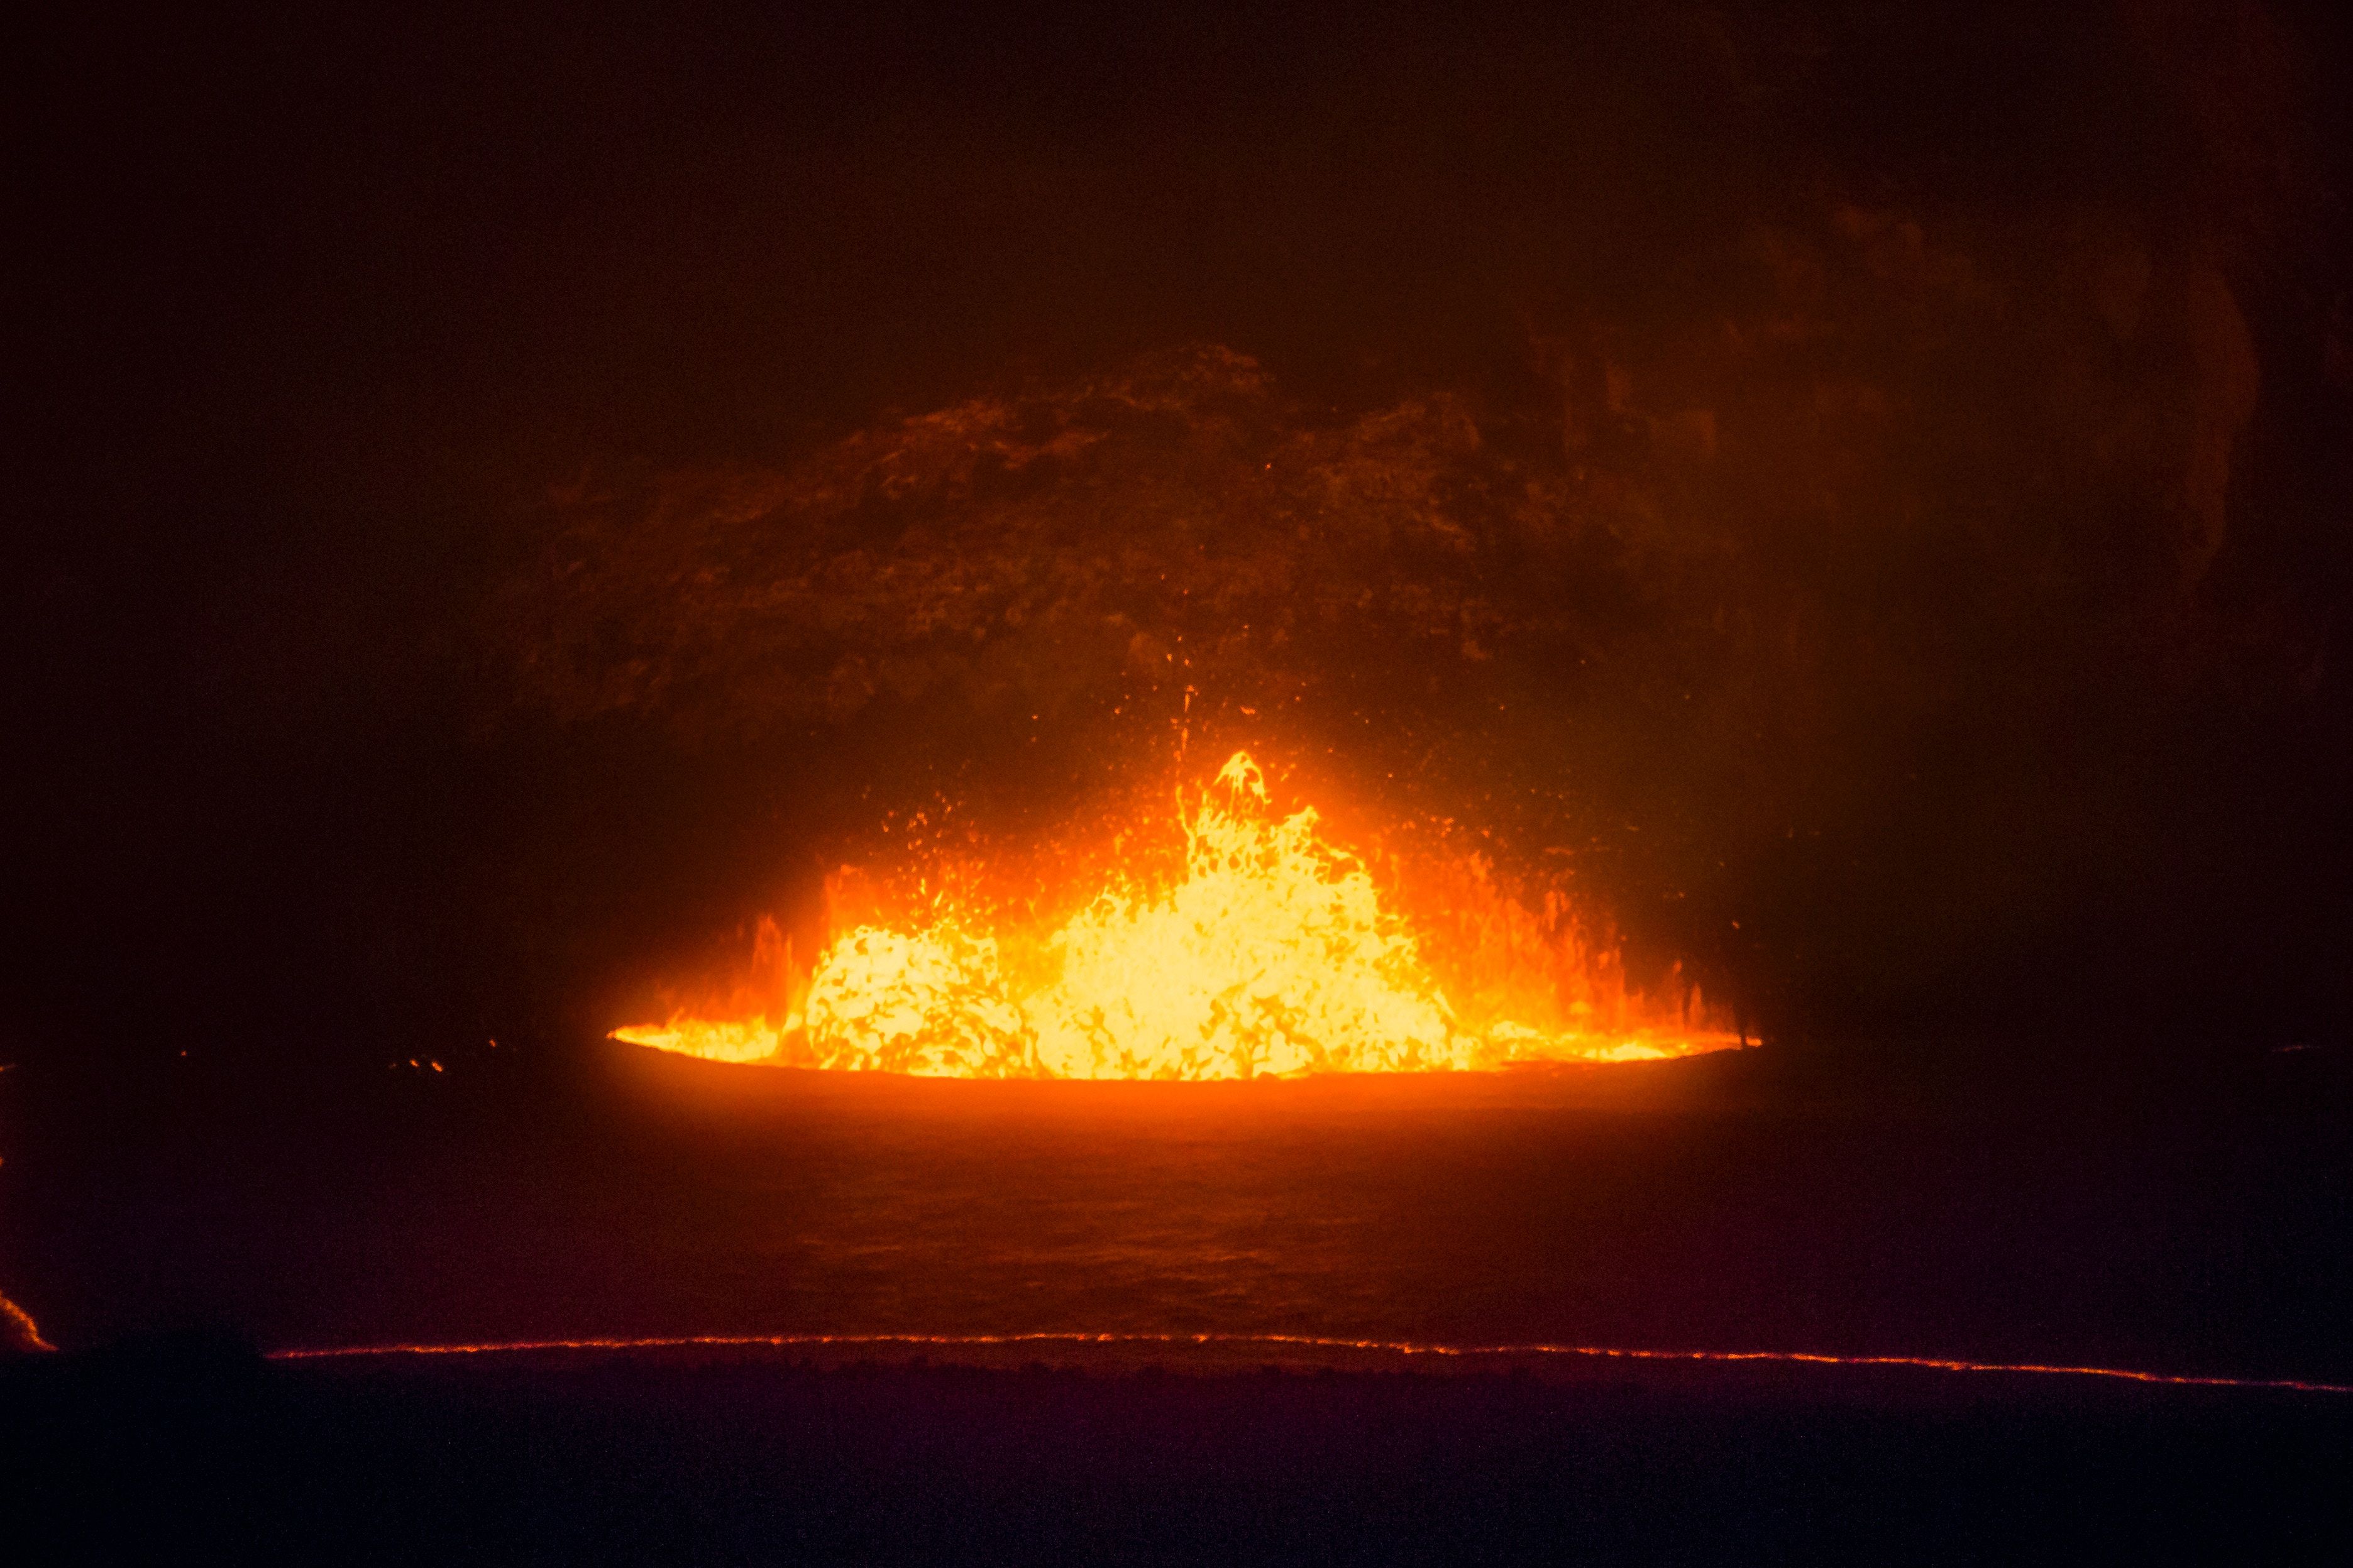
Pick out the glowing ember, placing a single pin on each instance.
(1266, 950)
(17, 1332)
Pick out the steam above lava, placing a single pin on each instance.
(1025, 603)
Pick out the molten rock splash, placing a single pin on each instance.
(1266, 950)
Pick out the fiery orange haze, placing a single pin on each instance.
(1261, 949)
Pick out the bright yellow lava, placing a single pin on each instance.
(1271, 952)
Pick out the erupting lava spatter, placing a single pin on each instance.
(1267, 951)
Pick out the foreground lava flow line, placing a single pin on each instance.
(1305, 1342)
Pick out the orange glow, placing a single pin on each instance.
(1260, 948)
(17, 1329)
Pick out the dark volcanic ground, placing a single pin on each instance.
(2192, 1225)
(184, 1451)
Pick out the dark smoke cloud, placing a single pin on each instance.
(1099, 545)
(1831, 622)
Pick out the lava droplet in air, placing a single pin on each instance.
(1266, 950)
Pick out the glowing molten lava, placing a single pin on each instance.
(1264, 950)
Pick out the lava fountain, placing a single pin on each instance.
(1226, 939)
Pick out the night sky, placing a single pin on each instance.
(1865, 483)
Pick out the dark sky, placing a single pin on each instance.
(1939, 415)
